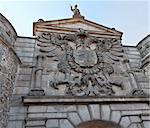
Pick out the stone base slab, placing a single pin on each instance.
(36, 92)
(82, 100)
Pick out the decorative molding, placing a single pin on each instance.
(138, 92)
(28, 100)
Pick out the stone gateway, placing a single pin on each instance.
(73, 73)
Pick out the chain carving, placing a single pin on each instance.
(86, 62)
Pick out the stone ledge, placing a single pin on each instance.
(27, 100)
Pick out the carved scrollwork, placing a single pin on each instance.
(138, 92)
(89, 57)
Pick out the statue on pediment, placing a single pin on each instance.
(76, 12)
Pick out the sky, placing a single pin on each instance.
(132, 17)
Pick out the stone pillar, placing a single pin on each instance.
(147, 72)
(131, 74)
(37, 89)
(136, 91)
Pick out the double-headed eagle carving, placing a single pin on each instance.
(87, 62)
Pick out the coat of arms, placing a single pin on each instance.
(87, 63)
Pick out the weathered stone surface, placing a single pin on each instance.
(64, 108)
(95, 111)
(129, 106)
(136, 112)
(27, 45)
(125, 122)
(52, 123)
(65, 124)
(84, 112)
(83, 100)
(21, 90)
(135, 119)
(115, 116)
(8, 68)
(26, 40)
(72, 71)
(105, 112)
(146, 117)
(17, 117)
(133, 126)
(36, 109)
(26, 59)
(47, 115)
(146, 124)
(18, 109)
(15, 124)
(24, 49)
(84, 57)
(23, 83)
(74, 118)
(35, 123)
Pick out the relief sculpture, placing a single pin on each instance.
(87, 63)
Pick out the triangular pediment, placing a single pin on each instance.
(71, 25)
(78, 25)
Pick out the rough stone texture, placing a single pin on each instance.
(24, 48)
(52, 123)
(7, 31)
(144, 49)
(8, 68)
(124, 113)
(75, 71)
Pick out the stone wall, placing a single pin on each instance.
(66, 112)
(49, 111)
(9, 63)
(134, 56)
(66, 79)
(144, 49)
(7, 31)
(24, 48)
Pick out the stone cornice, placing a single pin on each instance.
(53, 26)
(27, 100)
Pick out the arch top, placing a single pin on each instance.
(8, 35)
(98, 124)
(7, 32)
(7, 23)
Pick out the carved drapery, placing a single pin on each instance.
(86, 62)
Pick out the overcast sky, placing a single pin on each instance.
(127, 16)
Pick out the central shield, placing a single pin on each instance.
(85, 57)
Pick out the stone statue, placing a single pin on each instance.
(76, 12)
